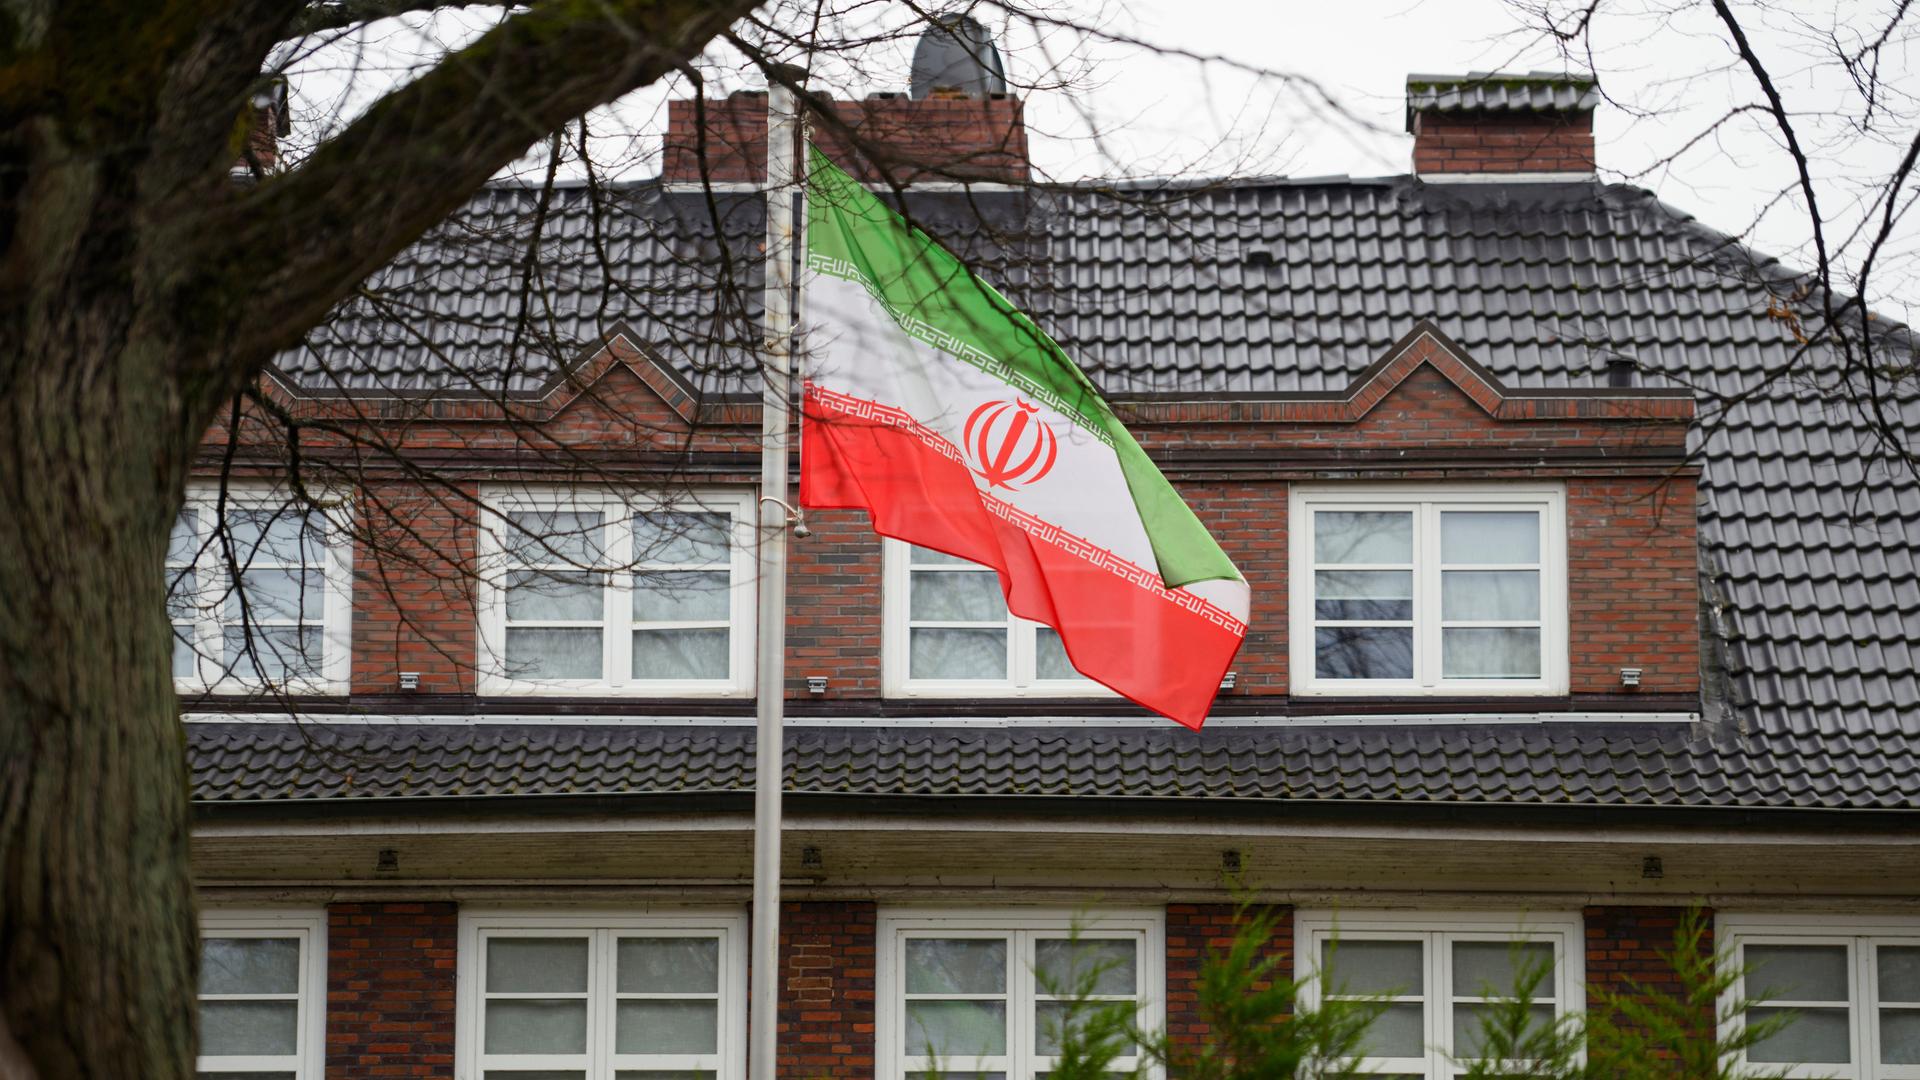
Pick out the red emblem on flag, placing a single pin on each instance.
(1008, 445)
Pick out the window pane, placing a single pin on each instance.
(956, 965)
(536, 965)
(673, 537)
(182, 543)
(1489, 537)
(1797, 972)
(553, 653)
(182, 595)
(519, 1026)
(1050, 656)
(1899, 972)
(1506, 595)
(1372, 967)
(1062, 963)
(277, 595)
(1050, 1022)
(536, 1074)
(681, 654)
(950, 1075)
(920, 556)
(555, 537)
(1399, 1031)
(250, 966)
(670, 965)
(957, 596)
(662, 1074)
(279, 535)
(957, 654)
(1493, 968)
(1815, 1036)
(252, 1075)
(1362, 536)
(183, 654)
(1489, 653)
(249, 1027)
(950, 1029)
(1363, 652)
(681, 595)
(666, 1027)
(555, 596)
(1900, 1036)
(1363, 594)
(1469, 1026)
(279, 652)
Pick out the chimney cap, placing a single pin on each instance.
(1498, 91)
(956, 53)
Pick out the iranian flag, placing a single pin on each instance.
(959, 426)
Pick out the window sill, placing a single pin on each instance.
(646, 691)
(1400, 691)
(980, 692)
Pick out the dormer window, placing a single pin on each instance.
(1429, 590)
(602, 592)
(260, 594)
(949, 634)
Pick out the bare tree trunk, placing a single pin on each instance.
(97, 927)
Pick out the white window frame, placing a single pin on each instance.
(310, 927)
(214, 582)
(1565, 931)
(1146, 927)
(1427, 501)
(616, 638)
(602, 928)
(1861, 936)
(896, 658)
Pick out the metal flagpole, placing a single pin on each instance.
(783, 155)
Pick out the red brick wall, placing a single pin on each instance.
(826, 989)
(833, 588)
(413, 603)
(1633, 584)
(1502, 142)
(1195, 931)
(937, 138)
(1625, 947)
(390, 989)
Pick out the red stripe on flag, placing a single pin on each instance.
(1125, 637)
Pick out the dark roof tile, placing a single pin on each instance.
(1664, 765)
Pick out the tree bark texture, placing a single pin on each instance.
(141, 289)
(97, 954)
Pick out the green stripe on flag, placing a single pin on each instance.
(936, 298)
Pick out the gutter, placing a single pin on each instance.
(1064, 808)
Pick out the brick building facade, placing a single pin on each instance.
(461, 863)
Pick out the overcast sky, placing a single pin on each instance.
(1157, 114)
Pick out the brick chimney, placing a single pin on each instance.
(1486, 125)
(946, 136)
(269, 122)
